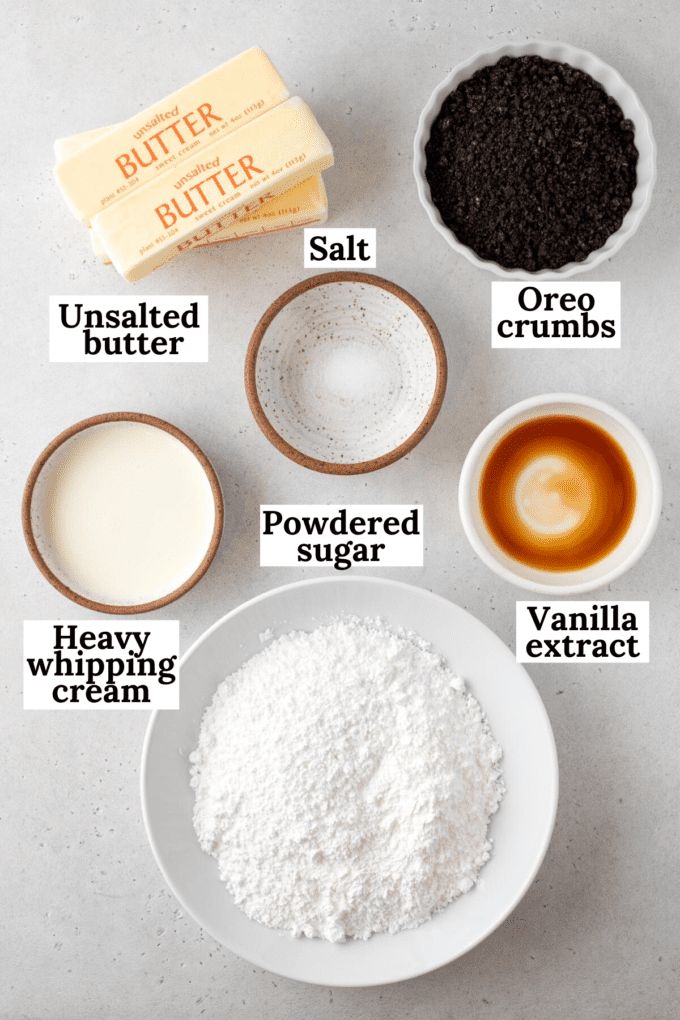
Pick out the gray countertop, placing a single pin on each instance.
(89, 929)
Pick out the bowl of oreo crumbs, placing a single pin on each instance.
(535, 159)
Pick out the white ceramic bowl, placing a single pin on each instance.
(614, 85)
(647, 505)
(521, 829)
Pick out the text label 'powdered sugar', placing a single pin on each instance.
(98, 664)
(341, 536)
(582, 631)
(110, 329)
(548, 315)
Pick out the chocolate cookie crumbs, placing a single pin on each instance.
(531, 164)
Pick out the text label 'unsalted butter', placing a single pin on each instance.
(112, 329)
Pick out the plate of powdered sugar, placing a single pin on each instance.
(359, 786)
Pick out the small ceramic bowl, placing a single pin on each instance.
(647, 501)
(345, 373)
(613, 84)
(38, 515)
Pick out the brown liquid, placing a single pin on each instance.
(557, 493)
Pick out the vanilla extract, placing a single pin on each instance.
(558, 493)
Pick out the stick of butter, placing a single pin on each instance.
(303, 205)
(172, 213)
(71, 145)
(300, 206)
(178, 128)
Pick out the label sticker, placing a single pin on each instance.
(111, 329)
(341, 536)
(340, 247)
(550, 315)
(582, 631)
(101, 664)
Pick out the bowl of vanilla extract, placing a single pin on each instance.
(560, 494)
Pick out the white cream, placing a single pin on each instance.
(123, 513)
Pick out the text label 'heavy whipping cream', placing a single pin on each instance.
(112, 329)
(341, 536)
(101, 664)
(582, 631)
(550, 315)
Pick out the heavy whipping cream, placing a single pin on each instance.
(345, 780)
(123, 513)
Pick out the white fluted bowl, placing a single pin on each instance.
(613, 84)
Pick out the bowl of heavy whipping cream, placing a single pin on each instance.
(123, 513)
(560, 494)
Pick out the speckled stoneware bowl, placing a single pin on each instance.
(345, 373)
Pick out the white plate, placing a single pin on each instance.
(520, 830)
(613, 84)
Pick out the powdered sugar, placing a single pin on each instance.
(344, 782)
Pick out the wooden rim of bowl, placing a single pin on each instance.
(38, 559)
(359, 467)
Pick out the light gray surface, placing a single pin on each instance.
(88, 929)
